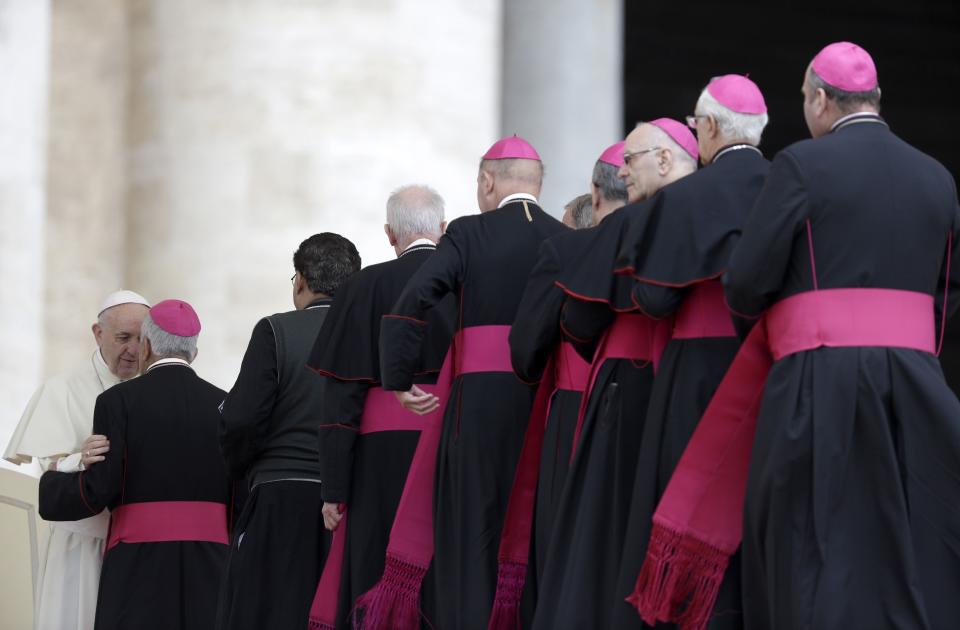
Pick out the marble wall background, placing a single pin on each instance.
(184, 148)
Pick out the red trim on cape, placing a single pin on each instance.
(83, 497)
(585, 298)
(340, 426)
(412, 319)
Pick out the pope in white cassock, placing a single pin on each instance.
(55, 428)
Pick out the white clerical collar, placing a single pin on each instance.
(419, 245)
(107, 378)
(735, 147)
(170, 361)
(518, 197)
(420, 241)
(857, 117)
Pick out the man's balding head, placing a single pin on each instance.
(117, 332)
(498, 179)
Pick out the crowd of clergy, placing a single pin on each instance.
(709, 397)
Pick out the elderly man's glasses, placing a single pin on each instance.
(629, 155)
(293, 279)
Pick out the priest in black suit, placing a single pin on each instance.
(851, 516)
(483, 260)
(831, 449)
(676, 252)
(163, 481)
(367, 439)
(268, 435)
(578, 589)
(541, 352)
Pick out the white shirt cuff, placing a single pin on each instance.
(70, 463)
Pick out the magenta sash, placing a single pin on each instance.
(698, 523)
(394, 602)
(381, 412)
(565, 370)
(703, 313)
(168, 521)
(572, 371)
(631, 336)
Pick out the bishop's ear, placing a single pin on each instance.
(713, 129)
(486, 181)
(664, 161)
(390, 236)
(820, 101)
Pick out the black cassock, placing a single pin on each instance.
(162, 429)
(535, 337)
(484, 261)
(682, 243)
(268, 435)
(577, 587)
(851, 516)
(367, 471)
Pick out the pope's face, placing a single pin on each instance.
(118, 335)
(640, 173)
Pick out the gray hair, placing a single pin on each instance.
(581, 209)
(605, 178)
(847, 102)
(415, 209)
(166, 345)
(733, 125)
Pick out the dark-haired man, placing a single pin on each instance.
(268, 434)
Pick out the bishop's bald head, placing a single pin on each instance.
(655, 154)
(508, 167)
(840, 80)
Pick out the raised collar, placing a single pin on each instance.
(419, 245)
(857, 118)
(517, 197)
(170, 361)
(727, 150)
(324, 302)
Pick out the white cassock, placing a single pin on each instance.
(55, 423)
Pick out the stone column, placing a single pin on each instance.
(562, 78)
(86, 184)
(254, 124)
(24, 44)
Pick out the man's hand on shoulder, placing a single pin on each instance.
(93, 450)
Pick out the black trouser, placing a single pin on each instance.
(276, 557)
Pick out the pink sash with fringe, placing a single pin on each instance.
(394, 602)
(698, 523)
(381, 412)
